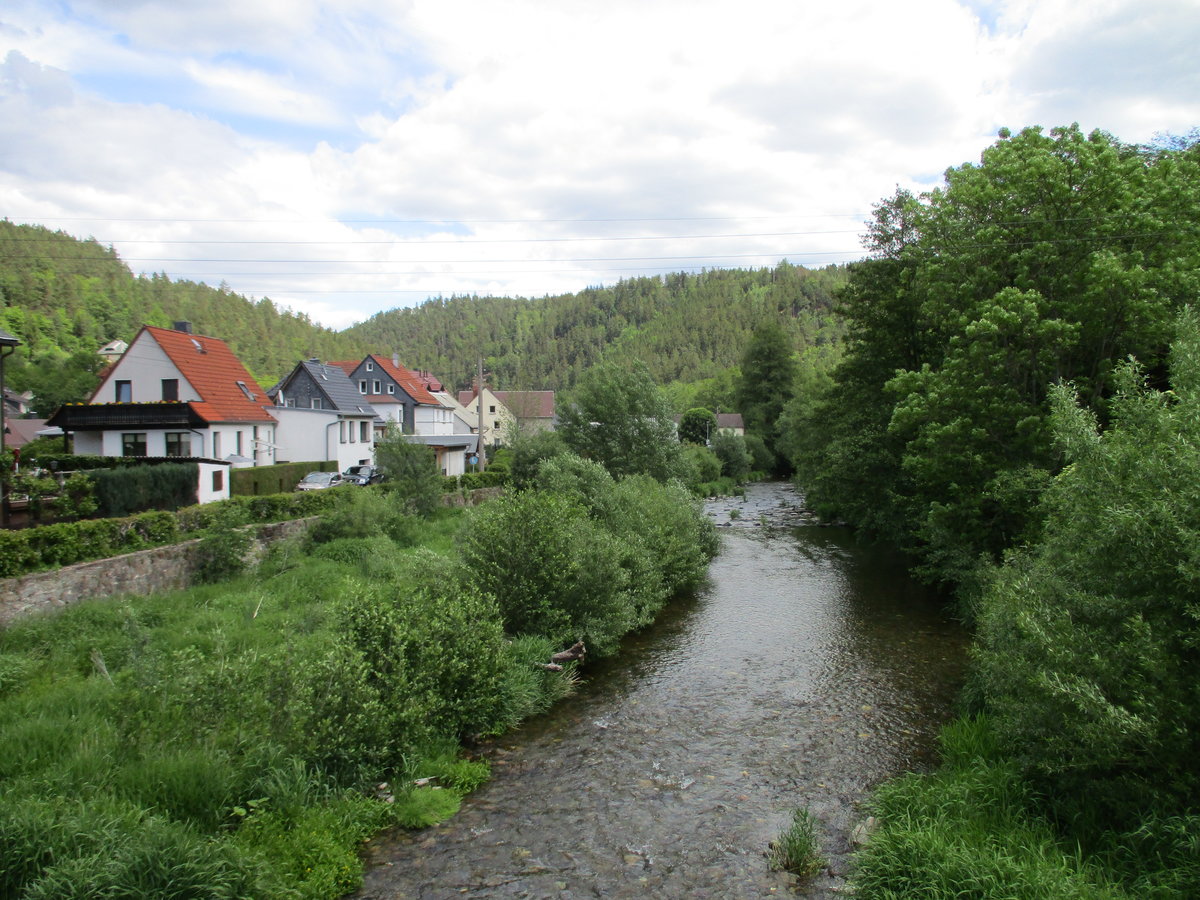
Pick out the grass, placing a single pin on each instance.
(971, 829)
(157, 746)
(797, 849)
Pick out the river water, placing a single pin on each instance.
(806, 671)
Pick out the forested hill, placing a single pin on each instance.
(65, 298)
(685, 328)
(61, 295)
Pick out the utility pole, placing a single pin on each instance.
(8, 343)
(481, 454)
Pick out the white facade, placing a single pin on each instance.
(249, 444)
(309, 435)
(214, 482)
(433, 420)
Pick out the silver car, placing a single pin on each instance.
(318, 481)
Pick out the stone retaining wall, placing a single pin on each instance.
(168, 568)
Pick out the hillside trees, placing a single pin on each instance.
(1054, 257)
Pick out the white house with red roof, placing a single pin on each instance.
(403, 397)
(177, 394)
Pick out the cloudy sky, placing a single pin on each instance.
(351, 156)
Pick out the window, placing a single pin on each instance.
(370, 367)
(316, 402)
(124, 391)
(492, 409)
(362, 387)
(179, 443)
(375, 386)
(364, 432)
(216, 445)
(170, 388)
(245, 390)
(219, 480)
(239, 444)
(350, 429)
(391, 389)
(342, 432)
(133, 444)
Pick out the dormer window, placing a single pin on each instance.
(245, 390)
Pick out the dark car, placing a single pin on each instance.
(363, 475)
(318, 481)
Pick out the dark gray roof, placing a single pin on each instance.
(334, 383)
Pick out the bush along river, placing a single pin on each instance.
(808, 670)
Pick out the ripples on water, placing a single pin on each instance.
(807, 670)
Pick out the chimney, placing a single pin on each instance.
(396, 360)
(185, 327)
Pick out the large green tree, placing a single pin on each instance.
(1054, 257)
(768, 376)
(619, 418)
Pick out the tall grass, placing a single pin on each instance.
(971, 829)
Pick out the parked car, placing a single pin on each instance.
(318, 481)
(363, 475)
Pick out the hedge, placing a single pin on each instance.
(64, 543)
(259, 481)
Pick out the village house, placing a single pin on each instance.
(177, 394)
(401, 397)
(508, 412)
(322, 416)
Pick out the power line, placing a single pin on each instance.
(452, 243)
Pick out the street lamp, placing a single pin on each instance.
(8, 346)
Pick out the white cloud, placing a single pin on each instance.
(484, 126)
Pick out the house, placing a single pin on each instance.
(322, 416)
(731, 422)
(177, 394)
(19, 432)
(527, 411)
(400, 396)
(17, 404)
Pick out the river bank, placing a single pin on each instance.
(805, 672)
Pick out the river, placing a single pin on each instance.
(807, 670)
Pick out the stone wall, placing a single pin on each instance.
(145, 572)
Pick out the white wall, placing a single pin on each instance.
(433, 420)
(308, 435)
(212, 474)
(145, 365)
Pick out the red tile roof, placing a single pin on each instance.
(213, 372)
(413, 384)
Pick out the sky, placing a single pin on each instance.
(345, 158)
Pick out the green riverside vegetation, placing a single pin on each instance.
(1018, 407)
(241, 739)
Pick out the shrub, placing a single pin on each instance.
(552, 570)
(410, 471)
(223, 549)
(731, 449)
(529, 451)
